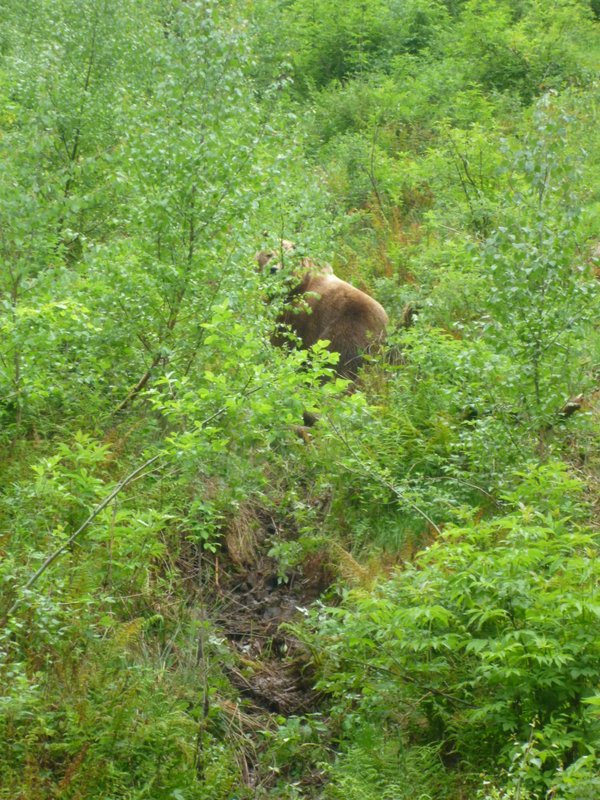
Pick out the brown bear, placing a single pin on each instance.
(322, 306)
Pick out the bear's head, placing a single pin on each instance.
(265, 257)
(300, 268)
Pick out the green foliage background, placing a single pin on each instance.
(442, 155)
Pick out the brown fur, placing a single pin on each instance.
(321, 306)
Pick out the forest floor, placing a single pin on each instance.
(251, 603)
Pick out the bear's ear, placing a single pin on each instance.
(315, 269)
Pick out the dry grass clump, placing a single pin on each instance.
(242, 536)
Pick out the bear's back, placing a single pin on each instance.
(349, 318)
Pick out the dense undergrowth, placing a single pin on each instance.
(444, 156)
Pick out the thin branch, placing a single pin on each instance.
(381, 479)
(60, 550)
(400, 672)
(117, 490)
(139, 385)
(73, 155)
(469, 484)
(370, 170)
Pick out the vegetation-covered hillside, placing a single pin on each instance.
(195, 602)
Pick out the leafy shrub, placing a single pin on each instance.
(541, 299)
(520, 48)
(463, 641)
(337, 40)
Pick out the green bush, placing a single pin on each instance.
(334, 41)
(463, 640)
